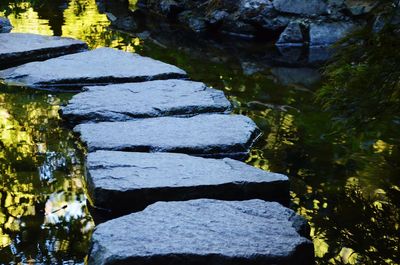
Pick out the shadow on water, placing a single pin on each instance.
(346, 186)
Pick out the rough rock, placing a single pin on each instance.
(204, 232)
(125, 182)
(324, 34)
(196, 23)
(20, 48)
(360, 7)
(292, 35)
(5, 25)
(214, 135)
(301, 7)
(99, 66)
(123, 102)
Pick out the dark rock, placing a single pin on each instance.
(299, 75)
(125, 182)
(214, 135)
(100, 66)
(292, 35)
(144, 100)
(323, 34)
(5, 25)
(301, 7)
(193, 21)
(319, 54)
(360, 7)
(20, 48)
(217, 16)
(203, 232)
(169, 7)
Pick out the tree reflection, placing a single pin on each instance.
(43, 214)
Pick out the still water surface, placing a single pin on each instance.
(346, 186)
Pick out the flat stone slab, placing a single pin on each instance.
(99, 66)
(125, 182)
(204, 232)
(214, 135)
(143, 100)
(20, 48)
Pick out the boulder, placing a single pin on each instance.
(96, 67)
(292, 35)
(204, 232)
(144, 100)
(360, 7)
(20, 48)
(124, 182)
(301, 7)
(324, 34)
(5, 25)
(214, 135)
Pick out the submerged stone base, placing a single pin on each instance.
(202, 232)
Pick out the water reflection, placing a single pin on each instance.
(346, 186)
(43, 214)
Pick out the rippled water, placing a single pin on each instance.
(346, 186)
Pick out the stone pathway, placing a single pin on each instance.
(144, 141)
(123, 102)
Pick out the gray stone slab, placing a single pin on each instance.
(99, 66)
(143, 100)
(20, 48)
(124, 182)
(204, 231)
(214, 135)
(323, 34)
(301, 7)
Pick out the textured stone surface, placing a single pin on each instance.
(5, 25)
(322, 34)
(143, 100)
(292, 35)
(19, 48)
(100, 66)
(204, 232)
(126, 182)
(301, 7)
(212, 135)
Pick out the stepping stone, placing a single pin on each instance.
(20, 48)
(214, 135)
(204, 231)
(143, 100)
(99, 66)
(125, 182)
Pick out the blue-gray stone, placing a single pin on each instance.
(214, 135)
(204, 231)
(144, 100)
(99, 66)
(20, 48)
(124, 182)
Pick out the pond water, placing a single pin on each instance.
(346, 186)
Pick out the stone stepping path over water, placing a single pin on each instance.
(204, 231)
(99, 66)
(133, 160)
(20, 48)
(143, 100)
(136, 180)
(210, 135)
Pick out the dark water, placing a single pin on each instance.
(346, 185)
